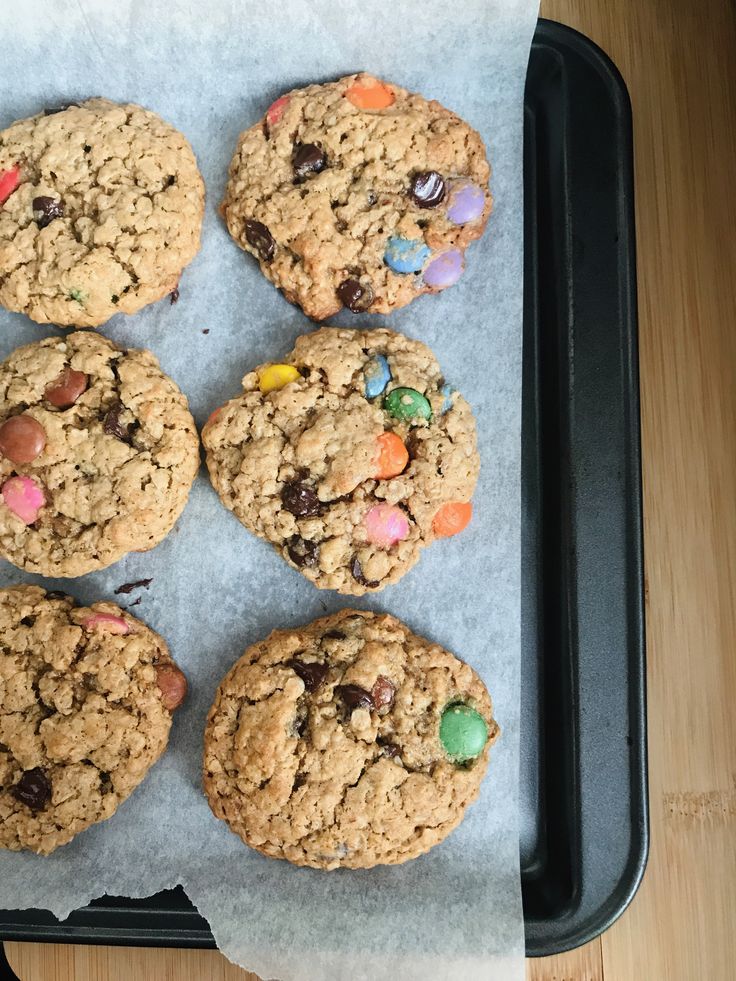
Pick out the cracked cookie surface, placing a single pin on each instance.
(101, 212)
(98, 452)
(86, 702)
(357, 193)
(353, 461)
(323, 743)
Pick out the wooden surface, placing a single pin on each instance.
(677, 57)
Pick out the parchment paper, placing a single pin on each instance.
(211, 68)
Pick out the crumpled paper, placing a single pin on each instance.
(211, 70)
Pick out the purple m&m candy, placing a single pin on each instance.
(465, 203)
(445, 270)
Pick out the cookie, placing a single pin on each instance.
(358, 194)
(100, 210)
(86, 702)
(350, 742)
(98, 452)
(349, 457)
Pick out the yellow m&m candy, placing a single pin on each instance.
(276, 376)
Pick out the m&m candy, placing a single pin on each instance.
(277, 376)
(377, 376)
(393, 456)
(465, 203)
(463, 732)
(444, 270)
(385, 525)
(406, 255)
(407, 405)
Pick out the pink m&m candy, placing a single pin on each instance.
(276, 110)
(106, 623)
(385, 524)
(465, 203)
(24, 498)
(445, 270)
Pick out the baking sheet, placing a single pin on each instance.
(211, 70)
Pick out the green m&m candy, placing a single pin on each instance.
(463, 732)
(407, 405)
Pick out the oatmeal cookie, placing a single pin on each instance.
(349, 457)
(86, 702)
(349, 742)
(358, 194)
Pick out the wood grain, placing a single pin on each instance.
(677, 59)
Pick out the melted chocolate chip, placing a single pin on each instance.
(308, 159)
(28, 621)
(303, 552)
(59, 108)
(382, 692)
(33, 789)
(57, 595)
(48, 209)
(112, 424)
(300, 499)
(357, 571)
(354, 696)
(259, 237)
(335, 635)
(311, 672)
(427, 189)
(128, 587)
(174, 296)
(354, 295)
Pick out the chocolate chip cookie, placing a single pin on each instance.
(86, 702)
(349, 457)
(100, 210)
(98, 452)
(358, 194)
(349, 742)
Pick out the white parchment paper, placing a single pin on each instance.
(211, 68)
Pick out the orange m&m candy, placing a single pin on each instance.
(393, 456)
(452, 518)
(368, 93)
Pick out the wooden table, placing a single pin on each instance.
(677, 57)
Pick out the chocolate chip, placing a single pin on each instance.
(311, 672)
(48, 208)
(354, 696)
(258, 236)
(299, 780)
(28, 621)
(335, 635)
(354, 295)
(170, 181)
(62, 107)
(308, 159)
(303, 552)
(128, 587)
(33, 789)
(382, 692)
(389, 749)
(357, 571)
(112, 424)
(427, 189)
(87, 148)
(174, 296)
(56, 594)
(300, 499)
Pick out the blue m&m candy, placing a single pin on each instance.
(377, 376)
(406, 255)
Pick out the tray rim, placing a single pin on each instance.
(581, 927)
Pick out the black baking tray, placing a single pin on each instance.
(583, 799)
